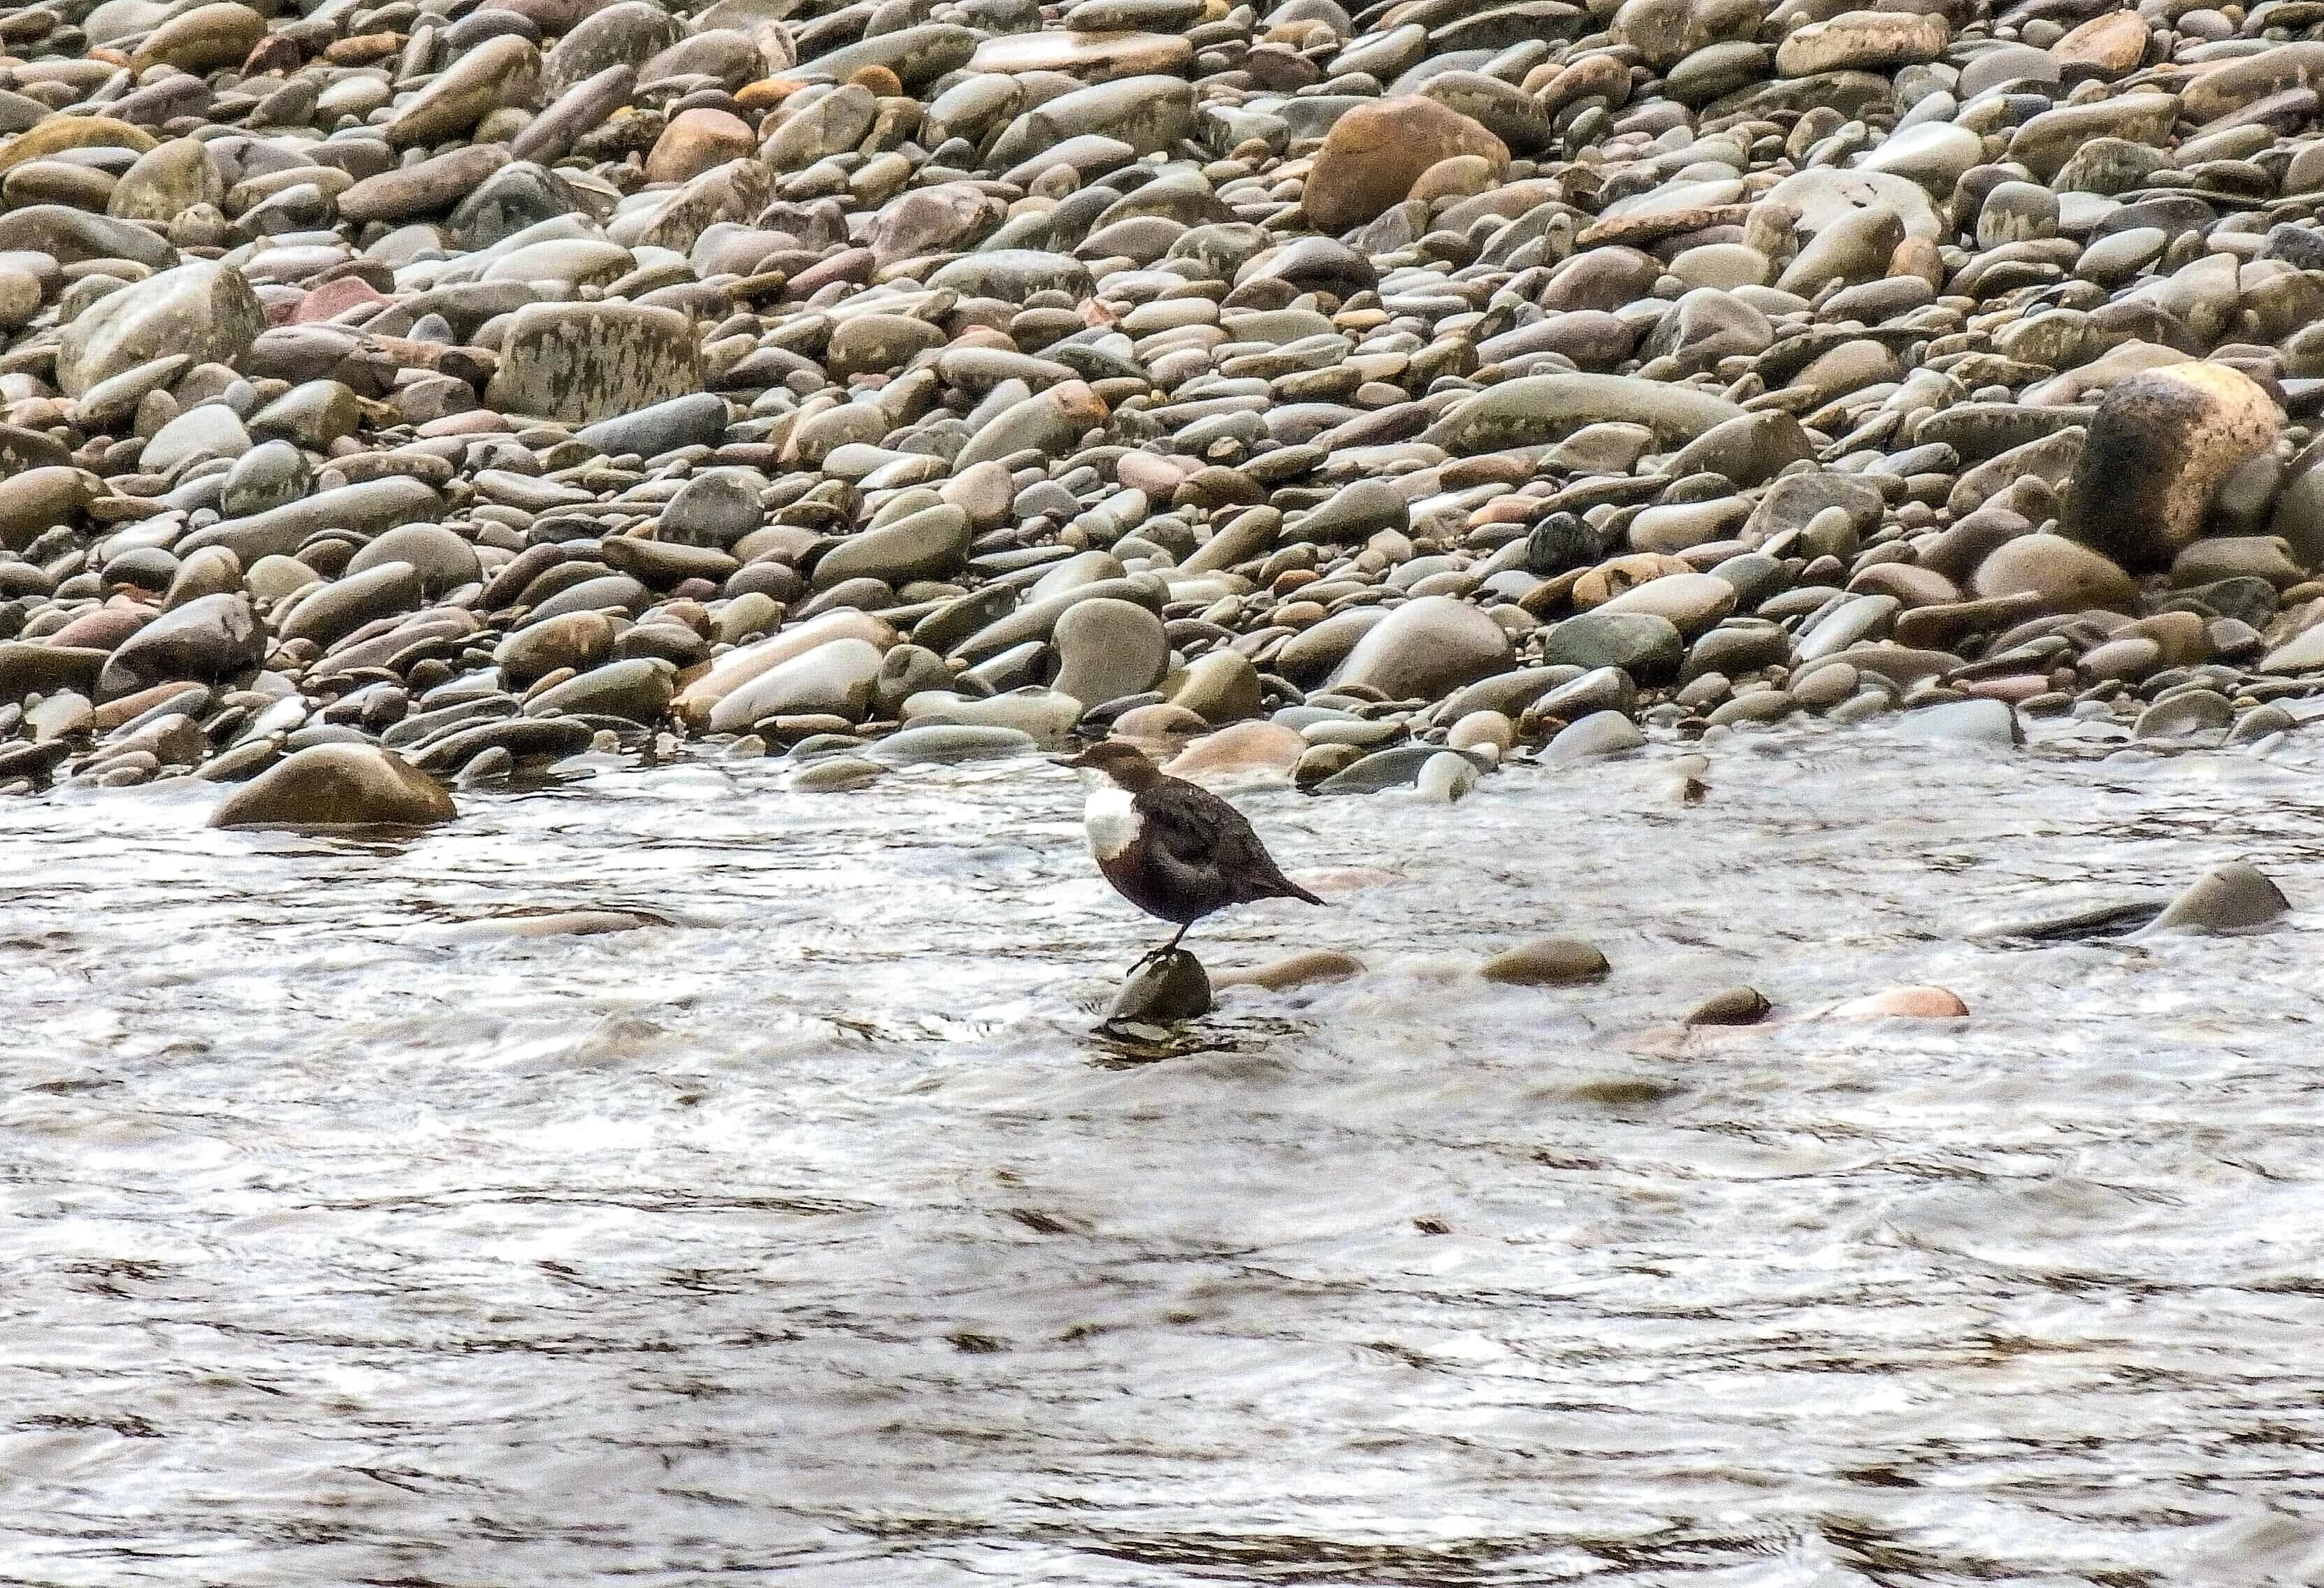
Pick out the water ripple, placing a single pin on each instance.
(667, 1178)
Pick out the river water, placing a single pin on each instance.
(366, 1222)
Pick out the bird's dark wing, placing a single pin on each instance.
(1190, 828)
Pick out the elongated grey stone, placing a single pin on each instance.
(585, 361)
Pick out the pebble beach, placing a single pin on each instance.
(406, 396)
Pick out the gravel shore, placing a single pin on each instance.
(399, 397)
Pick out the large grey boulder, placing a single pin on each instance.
(204, 310)
(585, 361)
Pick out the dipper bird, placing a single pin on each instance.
(1174, 850)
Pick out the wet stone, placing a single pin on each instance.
(2194, 711)
(2230, 898)
(945, 744)
(337, 786)
(1599, 733)
(1169, 988)
(1546, 962)
(1733, 1006)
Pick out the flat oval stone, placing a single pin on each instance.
(1546, 962)
(945, 743)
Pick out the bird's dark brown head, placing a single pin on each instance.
(1125, 764)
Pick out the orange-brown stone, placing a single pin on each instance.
(202, 39)
(694, 142)
(57, 133)
(363, 49)
(2113, 44)
(1375, 152)
(766, 93)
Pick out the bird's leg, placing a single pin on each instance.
(1165, 952)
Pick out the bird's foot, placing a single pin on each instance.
(1157, 955)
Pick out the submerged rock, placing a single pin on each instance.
(1312, 968)
(1918, 1004)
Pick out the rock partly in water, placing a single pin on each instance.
(1918, 1004)
(1241, 748)
(1546, 962)
(1170, 987)
(2231, 897)
(337, 786)
(1731, 1006)
(1315, 968)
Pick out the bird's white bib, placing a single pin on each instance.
(1111, 818)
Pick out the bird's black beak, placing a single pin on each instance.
(1070, 763)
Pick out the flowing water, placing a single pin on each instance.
(369, 1220)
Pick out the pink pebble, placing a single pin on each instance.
(334, 298)
(2016, 688)
(1917, 1003)
(476, 422)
